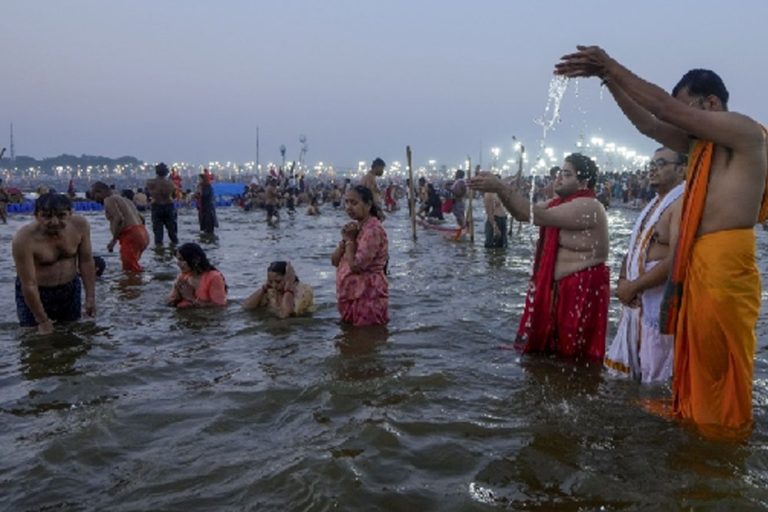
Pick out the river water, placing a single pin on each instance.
(149, 408)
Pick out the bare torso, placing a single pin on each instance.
(121, 213)
(161, 191)
(55, 257)
(736, 179)
(369, 181)
(658, 249)
(583, 248)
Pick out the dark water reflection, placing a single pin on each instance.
(147, 408)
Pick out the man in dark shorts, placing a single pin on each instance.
(52, 254)
(161, 192)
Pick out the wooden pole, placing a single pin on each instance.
(412, 193)
(470, 220)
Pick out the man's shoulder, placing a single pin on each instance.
(80, 222)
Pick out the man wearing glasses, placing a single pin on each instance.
(713, 297)
(639, 350)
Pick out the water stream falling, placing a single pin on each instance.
(557, 87)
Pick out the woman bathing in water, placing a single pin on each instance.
(282, 294)
(199, 284)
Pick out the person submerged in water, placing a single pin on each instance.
(200, 284)
(52, 254)
(282, 294)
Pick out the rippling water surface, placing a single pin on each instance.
(148, 408)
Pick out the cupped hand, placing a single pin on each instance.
(486, 182)
(186, 290)
(349, 231)
(586, 62)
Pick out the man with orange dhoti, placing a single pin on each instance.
(639, 350)
(126, 225)
(713, 296)
(566, 308)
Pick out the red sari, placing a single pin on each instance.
(568, 317)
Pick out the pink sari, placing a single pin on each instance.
(363, 296)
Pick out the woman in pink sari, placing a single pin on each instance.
(361, 259)
(199, 285)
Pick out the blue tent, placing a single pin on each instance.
(228, 189)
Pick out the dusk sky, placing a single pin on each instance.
(191, 80)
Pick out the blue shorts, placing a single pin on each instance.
(62, 303)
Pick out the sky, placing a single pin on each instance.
(191, 80)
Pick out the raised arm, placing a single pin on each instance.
(648, 124)
(728, 129)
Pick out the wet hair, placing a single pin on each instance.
(51, 201)
(278, 267)
(367, 196)
(161, 169)
(100, 265)
(586, 168)
(703, 82)
(378, 162)
(195, 257)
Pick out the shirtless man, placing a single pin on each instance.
(48, 254)
(495, 221)
(459, 192)
(369, 182)
(126, 225)
(162, 192)
(714, 298)
(639, 351)
(271, 200)
(570, 279)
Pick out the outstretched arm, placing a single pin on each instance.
(647, 123)
(724, 128)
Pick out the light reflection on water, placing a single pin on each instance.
(149, 408)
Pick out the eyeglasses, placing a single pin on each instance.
(661, 162)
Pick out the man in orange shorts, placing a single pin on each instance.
(126, 225)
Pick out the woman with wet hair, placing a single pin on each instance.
(362, 290)
(199, 285)
(282, 294)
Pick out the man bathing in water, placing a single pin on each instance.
(52, 254)
(162, 192)
(639, 351)
(713, 296)
(559, 316)
(369, 182)
(126, 225)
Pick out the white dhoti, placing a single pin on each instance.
(656, 349)
(639, 351)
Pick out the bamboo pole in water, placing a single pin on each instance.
(470, 220)
(412, 188)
